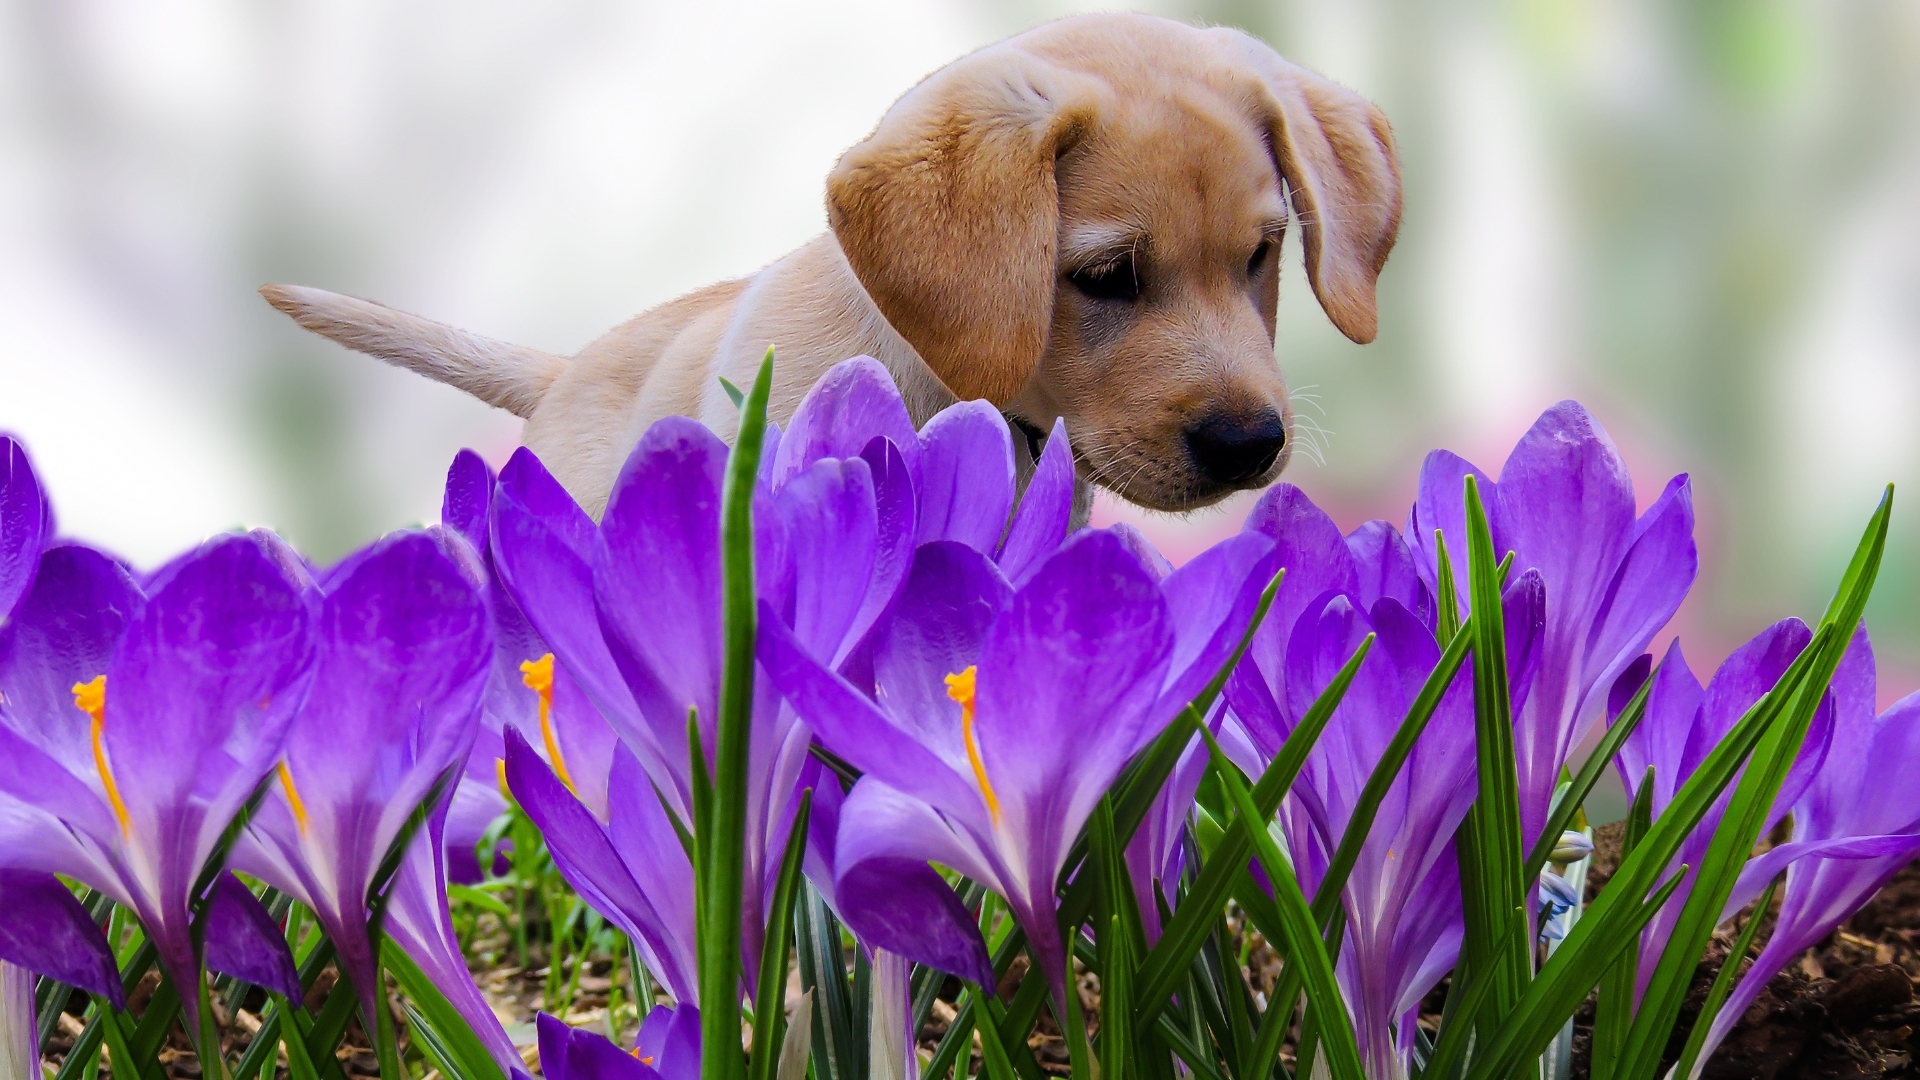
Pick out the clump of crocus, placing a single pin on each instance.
(1402, 898)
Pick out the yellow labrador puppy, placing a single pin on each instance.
(1079, 222)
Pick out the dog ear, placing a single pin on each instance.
(1335, 151)
(949, 214)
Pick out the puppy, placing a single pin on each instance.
(1081, 221)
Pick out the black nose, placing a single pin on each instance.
(1234, 449)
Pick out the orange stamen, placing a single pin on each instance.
(91, 698)
(961, 688)
(500, 772)
(538, 675)
(293, 797)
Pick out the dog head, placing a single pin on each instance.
(1083, 221)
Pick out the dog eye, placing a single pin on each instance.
(1108, 281)
(1259, 257)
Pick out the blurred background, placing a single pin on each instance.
(1701, 219)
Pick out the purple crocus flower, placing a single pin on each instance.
(1565, 507)
(1402, 897)
(1855, 825)
(961, 464)
(526, 690)
(632, 609)
(668, 1048)
(134, 727)
(1002, 717)
(405, 637)
(1682, 725)
(46, 931)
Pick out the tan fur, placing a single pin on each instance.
(956, 226)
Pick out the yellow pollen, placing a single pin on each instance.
(961, 688)
(91, 698)
(538, 675)
(500, 772)
(648, 1060)
(293, 797)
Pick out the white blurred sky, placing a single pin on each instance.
(541, 172)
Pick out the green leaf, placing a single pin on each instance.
(1448, 592)
(1165, 965)
(817, 941)
(1304, 947)
(992, 1049)
(486, 901)
(720, 904)
(769, 1001)
(1491, 857)
(734, 393)
(1614, 1011)
(460, 1053)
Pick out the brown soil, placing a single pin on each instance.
(1846, 1008)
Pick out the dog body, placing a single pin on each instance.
(1081, 222)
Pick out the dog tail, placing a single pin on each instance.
(507, 376)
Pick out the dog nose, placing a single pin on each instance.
(1235, 449)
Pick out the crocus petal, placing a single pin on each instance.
(464, 501)
(1386, 568)
(896, 518)
(1440, 508)
(657, 581)
(1309, 547)
(1653, 579)
(851, 725)
(1082, 649)
(555, 1036)
(1046, 510)
(543, 552)
(206, 679)
(879, 823)
(855, 401)
(419, 923)
(671, 1037)
(26, 524)
(47, 932)
(63, 632)
(831, 530)
(903, 906)
(967, 476)
(243, 941)
(588, 860)
(936, 629)
(645, 837)
(1211, 601)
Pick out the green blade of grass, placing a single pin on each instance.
(435, 1019)
(769, 1000)
(1302, 935)
(1491, 858)
(1613, 1013)
(720, 905)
